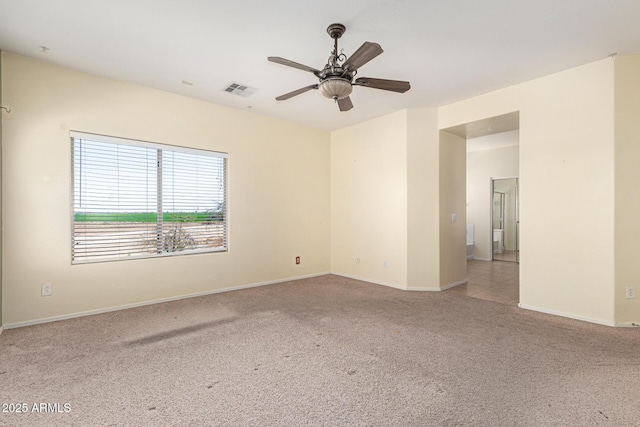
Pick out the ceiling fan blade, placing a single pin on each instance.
(392, 85)
(289, 63)
(364, 54)
(345, 104)
(296, 92)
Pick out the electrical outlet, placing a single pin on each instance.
(297, 260)
(47, 289)
(631, 292)
(357, 260)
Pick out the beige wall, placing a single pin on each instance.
(372, 191)
(423, 216)
(481, 167)
(369, 200)
(278, 193)
(384, 200)
(566, 161)
(453, 194)
(1, 116)
(627, 188)
(392, 179)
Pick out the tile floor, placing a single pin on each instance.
(491, 280)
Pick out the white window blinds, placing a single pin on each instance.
(139, 199)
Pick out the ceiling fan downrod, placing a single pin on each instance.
(336, 31)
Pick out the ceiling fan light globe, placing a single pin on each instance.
(336, 88)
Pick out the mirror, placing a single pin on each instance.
(505, 221)
(498, 210)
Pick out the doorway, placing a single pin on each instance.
(492, 153)
(505, 222)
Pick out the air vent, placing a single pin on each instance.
(240, 90)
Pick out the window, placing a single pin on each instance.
(135, 199)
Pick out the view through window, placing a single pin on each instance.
(139, 199)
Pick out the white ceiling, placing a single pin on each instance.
(448, 50)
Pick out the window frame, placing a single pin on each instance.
(160, 235)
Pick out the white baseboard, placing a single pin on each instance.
(404, 288)
(454, 284)
(439, 289)
(426, 289)
(364, 279)
(1, 329)
(155, 301)
(568, 315)
(627, 324)
(271, 282)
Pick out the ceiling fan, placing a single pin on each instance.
(337, 77)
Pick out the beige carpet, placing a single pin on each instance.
(325, 351)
